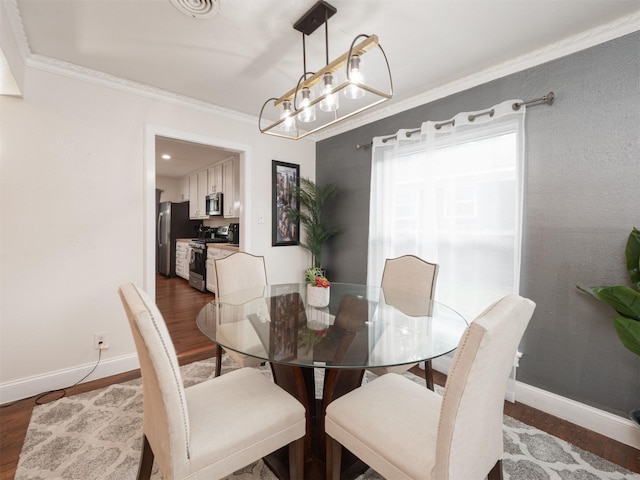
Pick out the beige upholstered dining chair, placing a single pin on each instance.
(424, 435)
(238, 271)
(211, 429)
(408, 275)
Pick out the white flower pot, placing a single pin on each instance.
(318, 296)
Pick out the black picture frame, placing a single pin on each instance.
(286, 179)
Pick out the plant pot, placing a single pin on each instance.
(318, 296)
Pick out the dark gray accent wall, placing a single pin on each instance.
(582, 197)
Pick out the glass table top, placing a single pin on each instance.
(361, 327)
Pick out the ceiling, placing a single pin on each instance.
(186, 157)
(249, 51)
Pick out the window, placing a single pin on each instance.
(453, 197)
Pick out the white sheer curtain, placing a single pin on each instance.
(452, 193)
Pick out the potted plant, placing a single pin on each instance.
(626, 302)
(312, 199)
(318, 287)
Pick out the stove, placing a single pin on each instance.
(198, 260)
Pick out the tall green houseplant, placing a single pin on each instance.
(312, 199)
(625, 300)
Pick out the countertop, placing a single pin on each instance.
(223, 246)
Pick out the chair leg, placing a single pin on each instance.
(334, 459)
(218, 360)
(296, 459)
(496, 471)
(146, 460)
(428, 374)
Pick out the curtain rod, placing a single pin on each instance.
(548, 99)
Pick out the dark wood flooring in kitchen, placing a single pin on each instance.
(179, 304)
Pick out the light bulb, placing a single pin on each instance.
(308, 113)
(289, 123)
(330, 102)
(355, 75)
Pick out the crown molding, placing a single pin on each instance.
(17, 26)
(71, 70)
(590, 38)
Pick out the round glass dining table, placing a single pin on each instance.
(360, 327)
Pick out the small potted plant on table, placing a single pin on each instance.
(318, 287)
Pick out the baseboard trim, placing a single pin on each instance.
(28, 387)
(605, 423)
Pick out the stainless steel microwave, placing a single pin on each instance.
(214, 204)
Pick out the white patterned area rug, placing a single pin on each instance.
(97, 435)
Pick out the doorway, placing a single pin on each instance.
(150, 137)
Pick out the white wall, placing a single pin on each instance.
(169, 187)
(72, 219)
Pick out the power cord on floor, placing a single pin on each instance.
(40, 396)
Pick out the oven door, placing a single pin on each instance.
(198, 268)
(198, 261)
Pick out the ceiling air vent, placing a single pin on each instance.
(198, 8)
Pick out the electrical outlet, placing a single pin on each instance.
(100, 341)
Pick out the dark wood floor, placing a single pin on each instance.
(179, 304)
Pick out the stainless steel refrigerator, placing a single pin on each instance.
(173, 223)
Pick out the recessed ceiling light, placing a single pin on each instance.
(166, 156)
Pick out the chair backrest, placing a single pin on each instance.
(410, 274)
(406, 281)
(165, 415)
(239, 271)
(469, 439)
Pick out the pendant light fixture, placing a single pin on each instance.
(331, 101)
(354, 73)
(288, 122)
(296, 111)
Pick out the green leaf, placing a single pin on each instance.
(622, 299)
(632, 253)
(311, 200)
(628, 332)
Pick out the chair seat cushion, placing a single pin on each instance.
(400, 414)
(241, 417)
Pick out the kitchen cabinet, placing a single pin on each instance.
(231, 187)
(215, 179)
(183, 189)
(183, 255)
(198, 186)
(213, 254)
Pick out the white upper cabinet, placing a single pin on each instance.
(231, 183)
(219, 178)
(198, 190)
(215, 179)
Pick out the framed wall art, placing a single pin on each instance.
(286, 178)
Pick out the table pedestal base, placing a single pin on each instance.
(300, 383)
